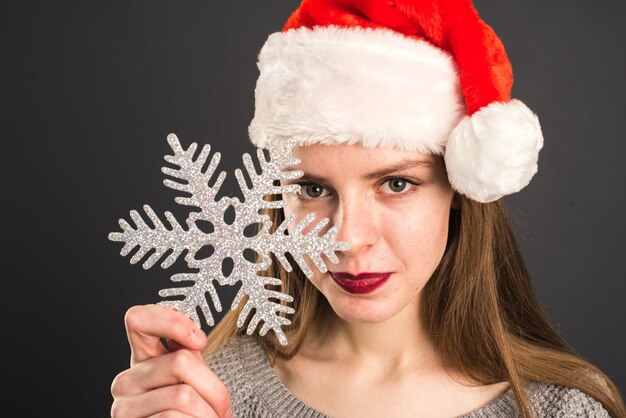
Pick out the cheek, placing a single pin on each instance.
(290, 208)
(420, 241)
(294, 207)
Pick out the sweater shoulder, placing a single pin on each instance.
(225, 361)
(255, 390)
(231, 363)
(551, 400)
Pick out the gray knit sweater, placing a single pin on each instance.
(256, 391)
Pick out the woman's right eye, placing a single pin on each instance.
(310, 191)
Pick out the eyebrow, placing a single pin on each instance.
(399, 166)
(381, 172)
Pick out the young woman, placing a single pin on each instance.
(407, 138)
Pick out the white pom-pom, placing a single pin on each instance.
(494, 152)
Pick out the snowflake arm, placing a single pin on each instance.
(263, 184)
(298, 244)
(193, 296)
(202, 195)
(158, 238)
(266, 310)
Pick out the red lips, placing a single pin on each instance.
(361, 283)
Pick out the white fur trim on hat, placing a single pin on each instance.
(494, 152)
(374, 87)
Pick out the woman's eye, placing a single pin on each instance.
(396, 185)
(312, 191)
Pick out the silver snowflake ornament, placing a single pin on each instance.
(229, 241)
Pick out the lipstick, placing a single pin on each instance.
(361, 283)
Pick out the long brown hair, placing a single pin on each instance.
(478, 307)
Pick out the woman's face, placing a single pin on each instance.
(392, 206)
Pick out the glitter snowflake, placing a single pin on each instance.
(230, 240)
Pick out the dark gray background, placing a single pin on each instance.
(91, 89)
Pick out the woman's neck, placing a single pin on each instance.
(396, 344)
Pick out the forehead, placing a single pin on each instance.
(355, 155)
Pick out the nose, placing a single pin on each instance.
(356, 223)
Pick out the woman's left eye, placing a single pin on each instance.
(396, 185)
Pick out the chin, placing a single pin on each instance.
(361, 311)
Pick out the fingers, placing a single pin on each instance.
(165, 384)
(146, 324)
(171, 414)
(181, 399)
(182, 366)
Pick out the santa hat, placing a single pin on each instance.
(422, 75)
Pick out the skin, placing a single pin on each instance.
(371, 358)
(393, 225)
(162, 384)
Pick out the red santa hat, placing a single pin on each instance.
(422, 75)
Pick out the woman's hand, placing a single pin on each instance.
(163, 384)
